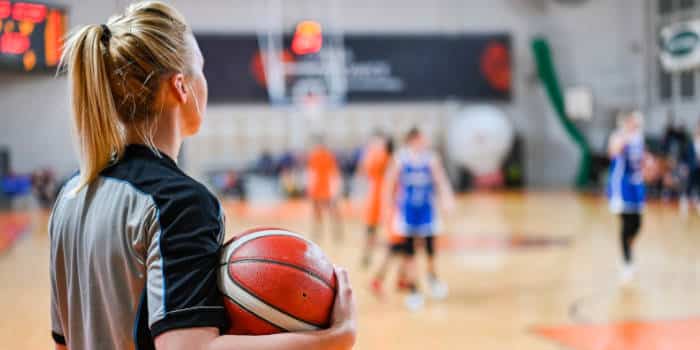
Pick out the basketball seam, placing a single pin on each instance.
(246, 242)
(237, 244)
(313, 273)
(233, 280)
(281, 263)
(253, 313)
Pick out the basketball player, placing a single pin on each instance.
(399, 247)
(324, 188)
(373, 165)
(134, 240)
(413, 181)
(626, 191)
(693, 188)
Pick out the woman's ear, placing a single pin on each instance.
(179, 87)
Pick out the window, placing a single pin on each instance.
(665, 6)
(688, 84)
(686, 4)
(665, 84)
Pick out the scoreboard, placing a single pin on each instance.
(31, 35)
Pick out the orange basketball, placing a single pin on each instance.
(276, 281)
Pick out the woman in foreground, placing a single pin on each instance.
(134, 240)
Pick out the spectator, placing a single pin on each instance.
(675, 144)
(266, 164)
(693, 190)
(44, 187)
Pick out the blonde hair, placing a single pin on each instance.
(115, 70)
(624, 115)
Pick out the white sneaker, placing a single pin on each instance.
(627, 273)
(438, 290)
(414, 301)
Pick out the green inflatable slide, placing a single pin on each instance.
(548, 76)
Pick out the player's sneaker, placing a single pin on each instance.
(376, 288)
(403, 285)
(627, 273)
(414, 301)
(438, 290)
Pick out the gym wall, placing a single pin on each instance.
(586, 41)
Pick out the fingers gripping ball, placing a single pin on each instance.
(276, 281)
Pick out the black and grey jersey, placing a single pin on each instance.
(133, 255)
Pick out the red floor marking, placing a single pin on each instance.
(630, 335)
(460, 243)
(12, 226)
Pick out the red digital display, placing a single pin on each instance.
(308, 38)
(5, 9)
(14, 43)
(31, 35)
(23, 11)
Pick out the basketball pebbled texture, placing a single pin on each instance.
(276, 281)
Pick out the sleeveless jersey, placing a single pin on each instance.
(416, 194)
(626, 191)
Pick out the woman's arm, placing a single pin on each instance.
(209, 339)
(389, 189)
(616, 144)
(361, 168)
(336, 180)
(445, 189)
(341, 335)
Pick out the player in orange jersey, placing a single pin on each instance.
(324, 188)
(374, 163)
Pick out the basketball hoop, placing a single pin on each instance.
(312, 107)
(317, 52)
(310, 98)
(304, 63)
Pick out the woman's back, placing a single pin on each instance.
(126, 240)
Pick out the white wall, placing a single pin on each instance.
(35, 118)
(595, 44)
(686, 111)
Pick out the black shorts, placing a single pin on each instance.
(407, 247)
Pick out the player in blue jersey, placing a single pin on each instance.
(626, 183)
(415, 179)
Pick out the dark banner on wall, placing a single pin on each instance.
(378, 67)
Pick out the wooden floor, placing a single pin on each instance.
(531, 271)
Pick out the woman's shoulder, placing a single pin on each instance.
(161, 181)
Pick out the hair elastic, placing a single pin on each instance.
(106, 34)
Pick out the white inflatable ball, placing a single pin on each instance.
(479, 139)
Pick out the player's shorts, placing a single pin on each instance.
(407, 246)
(406, 229)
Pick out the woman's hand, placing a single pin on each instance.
(343, 321)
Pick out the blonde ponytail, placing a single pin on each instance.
(115, 72)
(96, 121)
